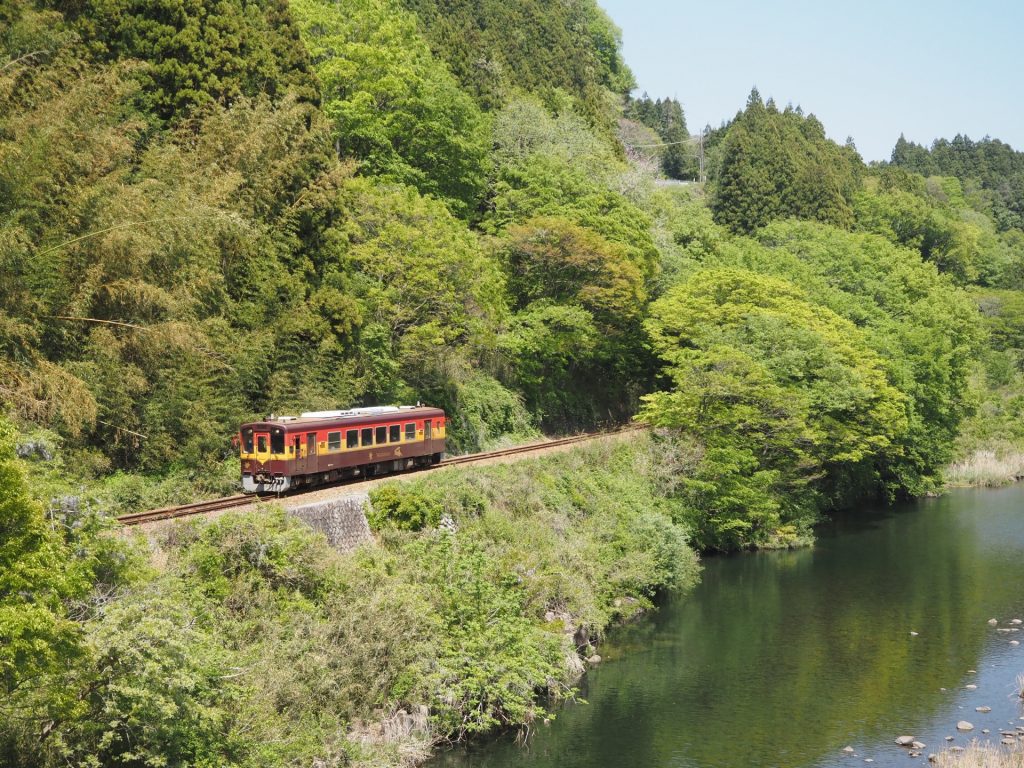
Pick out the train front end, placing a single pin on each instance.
(264, 461)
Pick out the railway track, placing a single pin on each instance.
(185, 510)
(242, 500)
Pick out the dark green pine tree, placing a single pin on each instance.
(666, 118)
(775, 164)
(678, 161)
(912, 157)
(197, 51)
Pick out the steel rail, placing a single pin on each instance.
(241, 500)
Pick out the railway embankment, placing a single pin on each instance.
(476, 604)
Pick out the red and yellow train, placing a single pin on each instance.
(285, 452)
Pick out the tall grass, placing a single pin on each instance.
(978, 755)
(987, 468)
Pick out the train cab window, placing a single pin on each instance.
(334, 441)
(367, 437)
(277, 441)
(410, 431)
(382, 435)
(352, 438)
(261, 444)
(396, 433)
(247, 440)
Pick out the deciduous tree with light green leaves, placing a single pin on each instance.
(394, 108)
(37, 639)
(786, 396)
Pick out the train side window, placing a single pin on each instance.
(410, 431)
(334, 441)
(247, 440)
(310, 443)
(426, 430)
(352, 438)
(277, 441)
(261, 444)
(382, 435)
(367, 436)
(396, 433)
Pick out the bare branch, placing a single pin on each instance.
(31, 55)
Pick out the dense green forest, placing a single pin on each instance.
(214, 210)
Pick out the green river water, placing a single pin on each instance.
(785, 658)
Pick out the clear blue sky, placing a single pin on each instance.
(868, 69)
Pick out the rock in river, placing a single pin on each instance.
(904, 741)
(983, 709)
(963, 725)
(992, 622)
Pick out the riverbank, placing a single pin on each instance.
(987, 468)
(880, 630)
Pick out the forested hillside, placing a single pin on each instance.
(313, 204)
(210, 211)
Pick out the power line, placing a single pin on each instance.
(698, 140)
(691, 140)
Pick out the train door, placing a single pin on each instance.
(262, 449)
(310, 453)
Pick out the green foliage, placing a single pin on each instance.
(994, 169)
(1003, 314)
(493, 659)
(776, 165)
(36, 637)
(154, 694)
(397, 507)
(197, 52)
(552, 259)
(783, 393)
(912, 317)
(589, 534)
(425, 288)
(393, 107)
(553, 165)
(496, 48)
(544, 185)
(484, 414)
(932, 217)
(678, 158)
(579, 300)
(275, 555)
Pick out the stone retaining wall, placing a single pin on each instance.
(341, 520)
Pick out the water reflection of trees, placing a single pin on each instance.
(781, 658)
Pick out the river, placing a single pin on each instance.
(785, 658)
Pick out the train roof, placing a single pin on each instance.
(351, 417)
